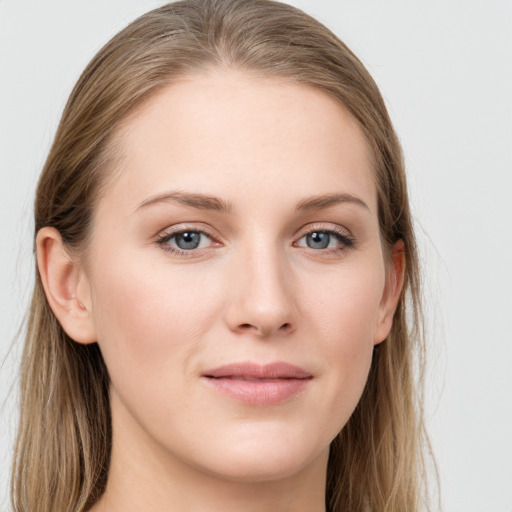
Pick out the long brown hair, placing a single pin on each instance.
(64, 440)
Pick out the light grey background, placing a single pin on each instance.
(444, 68)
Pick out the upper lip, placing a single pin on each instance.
(248, 370)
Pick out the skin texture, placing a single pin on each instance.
(253, 291)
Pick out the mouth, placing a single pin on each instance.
(255, 384)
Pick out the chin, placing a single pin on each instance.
(261, 469)
(264, 456)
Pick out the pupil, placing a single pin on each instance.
(188, 240)
(318, 240)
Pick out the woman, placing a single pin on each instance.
(225, 266)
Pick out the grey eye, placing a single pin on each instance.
(325, 239)
(318, 240)
(188, 240)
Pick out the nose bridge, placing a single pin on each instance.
(263, 300)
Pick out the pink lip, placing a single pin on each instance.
(256, 384)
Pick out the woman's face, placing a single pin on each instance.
(236, 276)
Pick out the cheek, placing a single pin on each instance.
(342, 317)
(345, 304)
(150, 320)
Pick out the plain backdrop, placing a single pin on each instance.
(445, 70)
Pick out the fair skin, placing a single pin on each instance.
(239, 227)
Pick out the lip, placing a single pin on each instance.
(255, 384)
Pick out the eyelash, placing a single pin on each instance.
(164, 240)
(346, 241)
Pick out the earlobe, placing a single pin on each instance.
(392, 292)
(63, 283)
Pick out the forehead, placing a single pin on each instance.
(229, 131)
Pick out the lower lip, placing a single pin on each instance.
(258, 392)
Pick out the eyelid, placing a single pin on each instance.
(327, 227)
(198, 227)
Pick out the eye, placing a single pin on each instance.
(325, 239)
(186, 240)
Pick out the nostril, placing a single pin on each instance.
(247, 326)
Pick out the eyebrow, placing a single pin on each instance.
(199, 201)
(207, 202)
(325, 201)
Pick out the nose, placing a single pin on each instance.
(262, 298)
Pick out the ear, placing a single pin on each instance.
(65, 285)
(392, 292)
